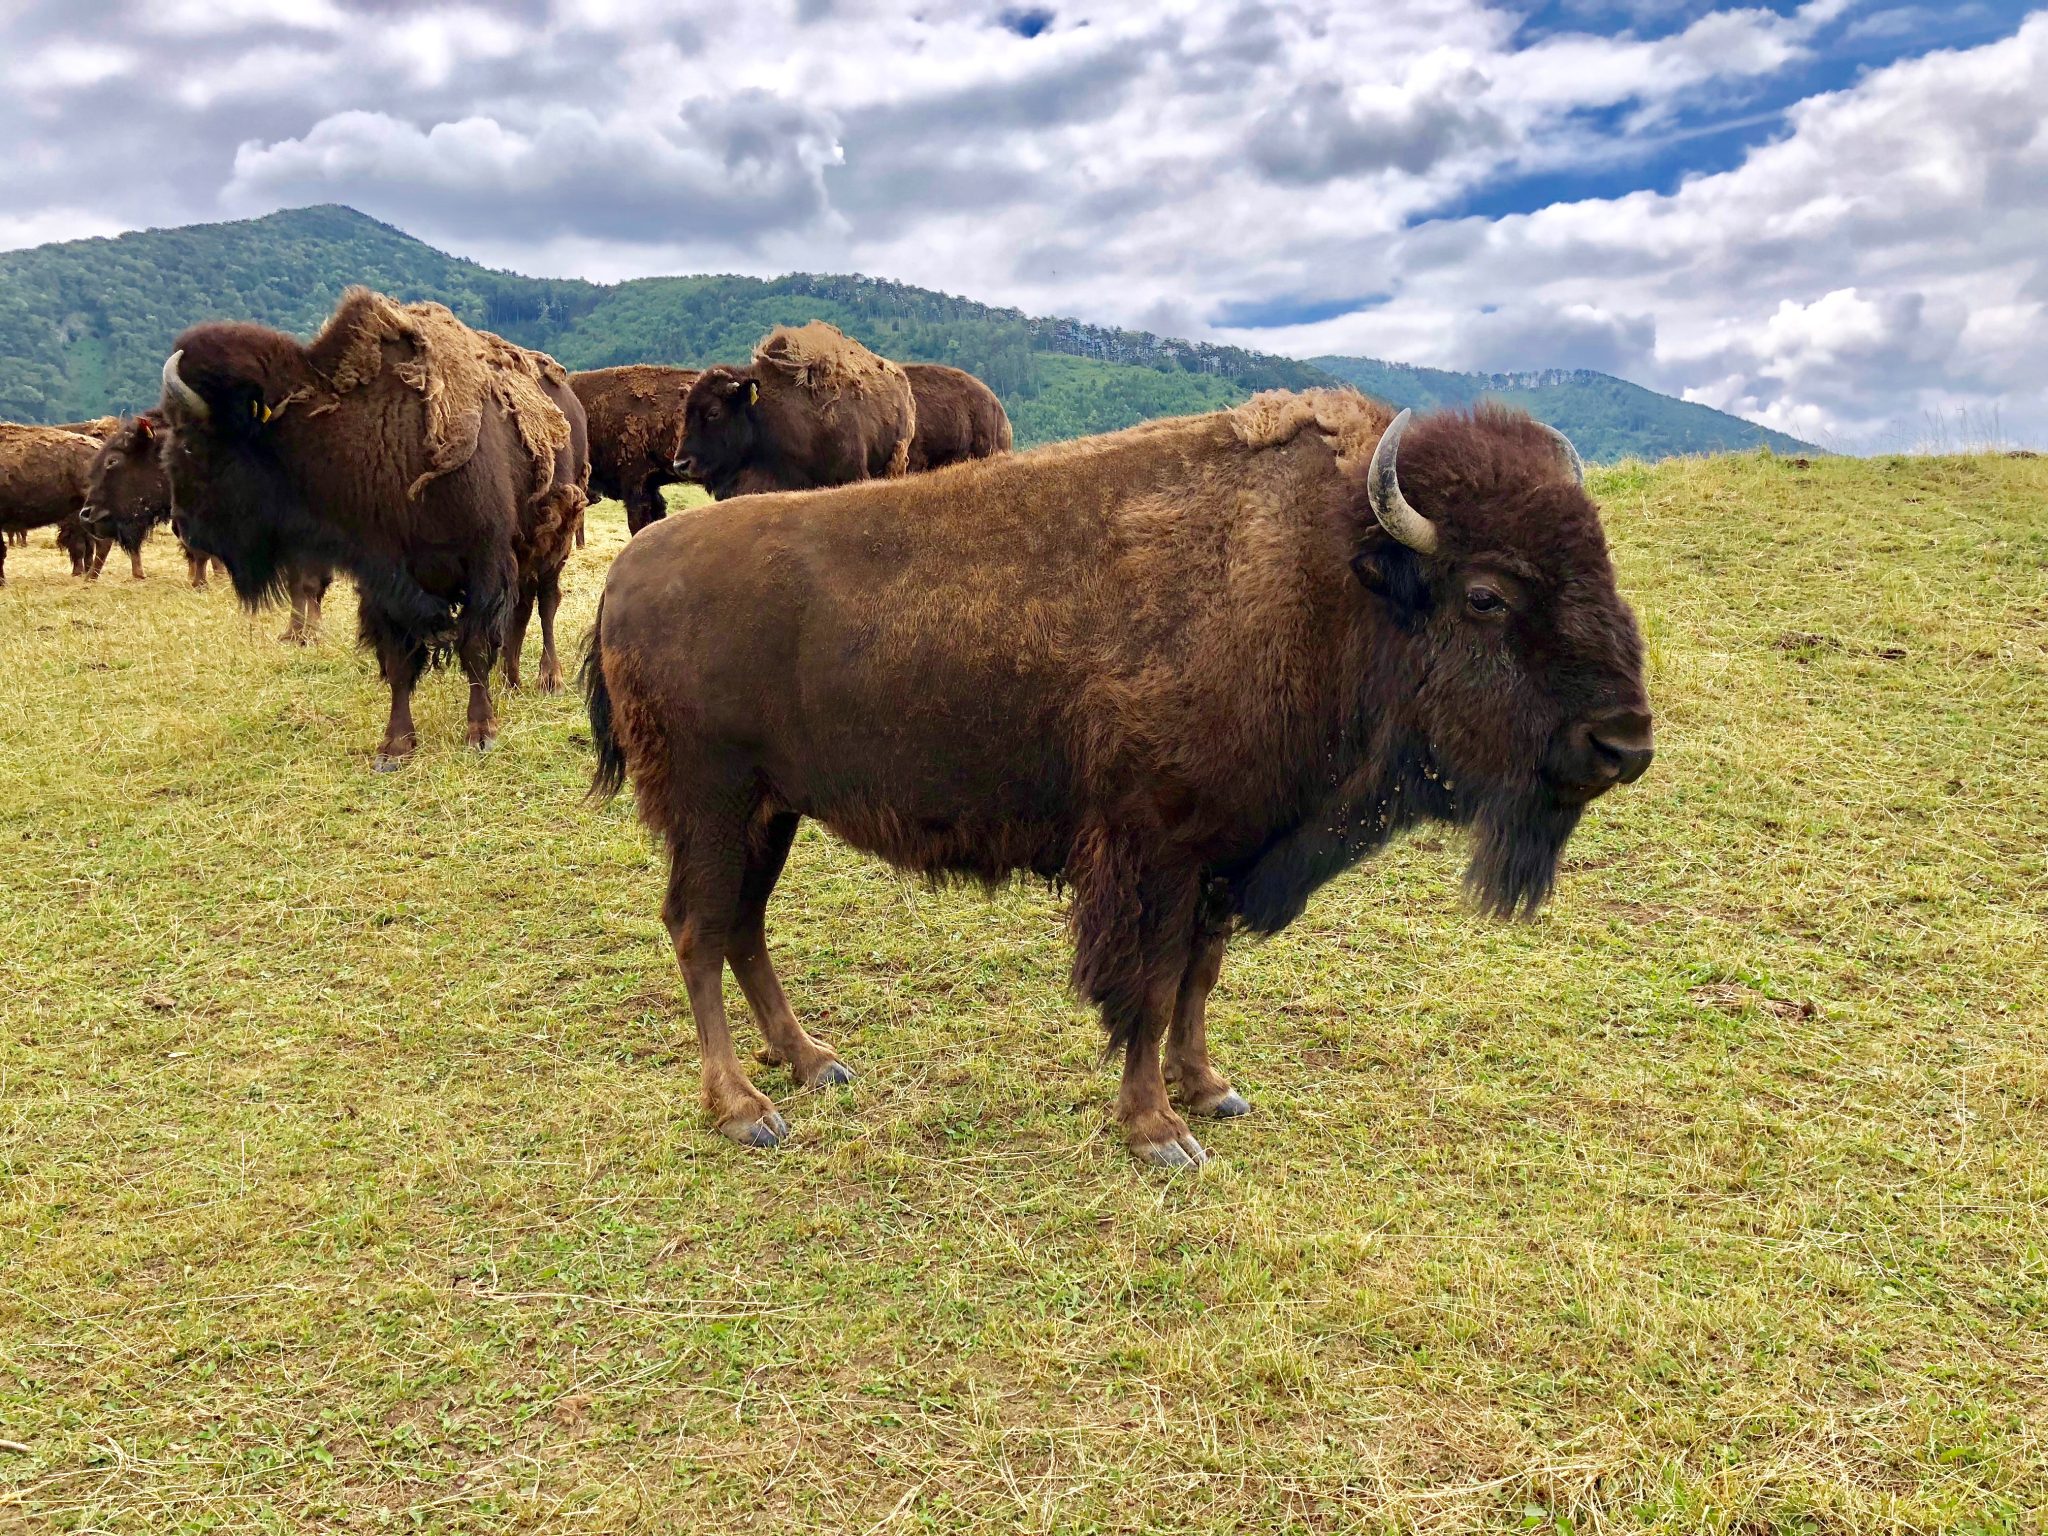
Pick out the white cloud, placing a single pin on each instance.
(1159, 164)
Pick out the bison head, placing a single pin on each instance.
(1487, 552)
(225, 393)
(720, 426)
(126, 491)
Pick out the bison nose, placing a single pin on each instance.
(1619, 742)
(682, 465)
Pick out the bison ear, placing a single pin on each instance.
(1393, 572)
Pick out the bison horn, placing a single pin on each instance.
(177, 389)
(1383, 489)
(1571, 454)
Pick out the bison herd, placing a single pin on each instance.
(1192, 670)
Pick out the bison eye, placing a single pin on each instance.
(1486, 602)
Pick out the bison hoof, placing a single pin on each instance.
(550, 678)
(1182, 1152)
(767, 1131)
(484, 744)
(1229, 1107)
(389, 762)
(833, 1074)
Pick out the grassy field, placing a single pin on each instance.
(352, 1179)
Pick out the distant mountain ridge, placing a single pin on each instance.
(85, 325)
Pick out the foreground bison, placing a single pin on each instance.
(958, 417)
(437, 465)
(43, 474)
(1193, 670)
(636, 433)
(814, 408)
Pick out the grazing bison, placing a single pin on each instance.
(1193, 670)
(636, 433)
(814, 408)
(43, 473)
(434, 463)
(958, 417)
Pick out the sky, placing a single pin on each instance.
(1829, 217)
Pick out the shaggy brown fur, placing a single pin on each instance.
(43, 474)
(442, 467)
(958, 417)
(636, 432)
(814, 408)
(1181, 668)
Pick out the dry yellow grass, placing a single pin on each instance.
(351, 1176)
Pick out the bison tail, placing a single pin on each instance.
(609, 777)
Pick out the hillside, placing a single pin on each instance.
(84, 326)
(1605, 417)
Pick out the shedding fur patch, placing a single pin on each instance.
(38, 454)
(1351, 421)
(825, 362)
(453, 369)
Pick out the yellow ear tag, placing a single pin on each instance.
(753, 392)
(267, 414)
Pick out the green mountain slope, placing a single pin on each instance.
(1605, 417)
(84, 327)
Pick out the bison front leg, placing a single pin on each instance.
(707, 873)
(479, 654)
(195, 571)
(515, 636)
(812, 1062)
(550, 663)
(1133, 932)
(644, 505)
(1200, 1088)
(135, 563)
(308, 589)
(401, 660)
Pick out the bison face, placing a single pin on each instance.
(231, 495)
(126, 491)
(720, 427)
(1531, 700)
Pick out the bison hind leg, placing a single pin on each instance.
(708, 876)
(813, 1063)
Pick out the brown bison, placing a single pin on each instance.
(43, 473)
(814, 408)
(128, 494)
(636, 433)
(958, 417)
(1193, 670)
(434, 463)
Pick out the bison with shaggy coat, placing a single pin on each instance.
(814, 408)
(1193, 670)
(636, 433)
(43, 474)
(958, 417)
(437, 465)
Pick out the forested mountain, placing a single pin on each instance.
(1605, 417)
(85, 325)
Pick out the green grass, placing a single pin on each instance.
(352, 1179)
